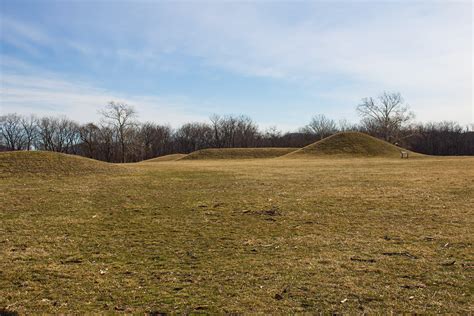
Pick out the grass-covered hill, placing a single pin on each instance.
(237, 153)
(350, 144)
(50, 163)
(171, 157)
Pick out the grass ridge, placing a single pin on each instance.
(238, 153)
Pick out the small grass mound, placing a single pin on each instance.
(49, 163)
(171, 157)
(237, 153)
(350, 144)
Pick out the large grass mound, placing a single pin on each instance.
(350, 144)
(237, 153)
(171, 157)
(50, 163)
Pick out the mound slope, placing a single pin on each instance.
(49, 163)
(171, 157)
(237, 153)
(350, 144)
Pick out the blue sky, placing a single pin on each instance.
(278, 62)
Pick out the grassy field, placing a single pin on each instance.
(237, 236)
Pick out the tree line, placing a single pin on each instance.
(119, 137)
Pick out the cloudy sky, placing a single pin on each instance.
(278, 62)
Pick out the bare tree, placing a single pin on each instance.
(216, 122)
(45, 132)
(246, 133)
(68, 135)
(106, 142)
(154, 140)
(344, 125)
(228, 127)
(3, 143)
(194, 136)
(272, 134)
(121, 117)
(234, 131)
(89, 134)
(119, 138)
(384, 116)
(12, 131)
(321, 126)
(147, 135)
(30, 128)
(58, 134)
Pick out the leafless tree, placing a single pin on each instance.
(246, 134)
(89, 134)
(106, 143)
(216, 122)
(385, 115)
(154, 139)
(272, 135)
(194, 136)
(30, 128)
(234, 131)
(321, 126)
(148, 140)
(12, 131)
(147, 136)
(58, 134)
(228, 128)
(68, 131)
(45, 132)
(121, 117)
(344, 125)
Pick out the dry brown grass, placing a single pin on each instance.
(44, 163)
(237, 153)
(171, 157)
(244, 236)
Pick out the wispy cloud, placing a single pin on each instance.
(55, 96)
(335, 52)
(22, 35)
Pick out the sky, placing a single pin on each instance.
(277, 62)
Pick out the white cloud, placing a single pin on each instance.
(423, 50)
(24, 30)
(22, 35)
(28, 94)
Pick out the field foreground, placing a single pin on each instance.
(268, 235)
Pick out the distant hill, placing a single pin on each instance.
(50, 163)
(237, 153)
(349, 144)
